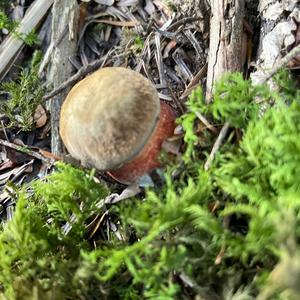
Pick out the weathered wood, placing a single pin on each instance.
(225, 52)
(226, 35)
(64, 29)
(279, 21)
(12, 45)
(281, 64)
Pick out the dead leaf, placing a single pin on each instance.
(16, 157)
(163, 7)
(19, 142)
(129, 192)
(7, 165)
(40, 116)
(149, 7)
(172, 146)
(14, 174)
(171, 45)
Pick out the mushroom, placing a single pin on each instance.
(113, 120)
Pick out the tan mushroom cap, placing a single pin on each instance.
(108, 117)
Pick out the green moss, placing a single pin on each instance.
(24, 95)
(229, 233)
(29, 39)
(138, 44)
(37, 255)
(3, 5)
(132, 41)
(170, 5)
(194, 105)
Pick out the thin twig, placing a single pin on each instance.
(216, 146)
(81, 73)
(4, 130)
(72, 80)
(205, 122)
(194, 83)
(182, 21)
(25, 150)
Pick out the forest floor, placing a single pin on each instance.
(184, 48)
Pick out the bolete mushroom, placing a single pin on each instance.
(113, 120)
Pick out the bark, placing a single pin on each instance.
(226, 36)
(225, 51)
(64, 36)
(279, 21)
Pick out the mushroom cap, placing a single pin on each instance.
(108, 117)
(148, 158)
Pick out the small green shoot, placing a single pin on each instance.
(29, 39)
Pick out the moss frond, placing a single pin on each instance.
(229, 233)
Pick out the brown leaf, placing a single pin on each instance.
(19, 142)
(7, 165)
(171, 45)
(40, 116)
(172, 146)
(49, 155)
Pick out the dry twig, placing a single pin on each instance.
(80, 74)
(216, 146)
(25, 150)
(12, 45)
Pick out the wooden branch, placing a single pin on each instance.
(25, 150)
(225, 52)
(12, 45)
(65, 14)
(226, 34)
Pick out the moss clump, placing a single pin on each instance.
(39, 255)
(24, 95)
(229, 233)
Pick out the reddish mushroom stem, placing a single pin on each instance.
(147, 159)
